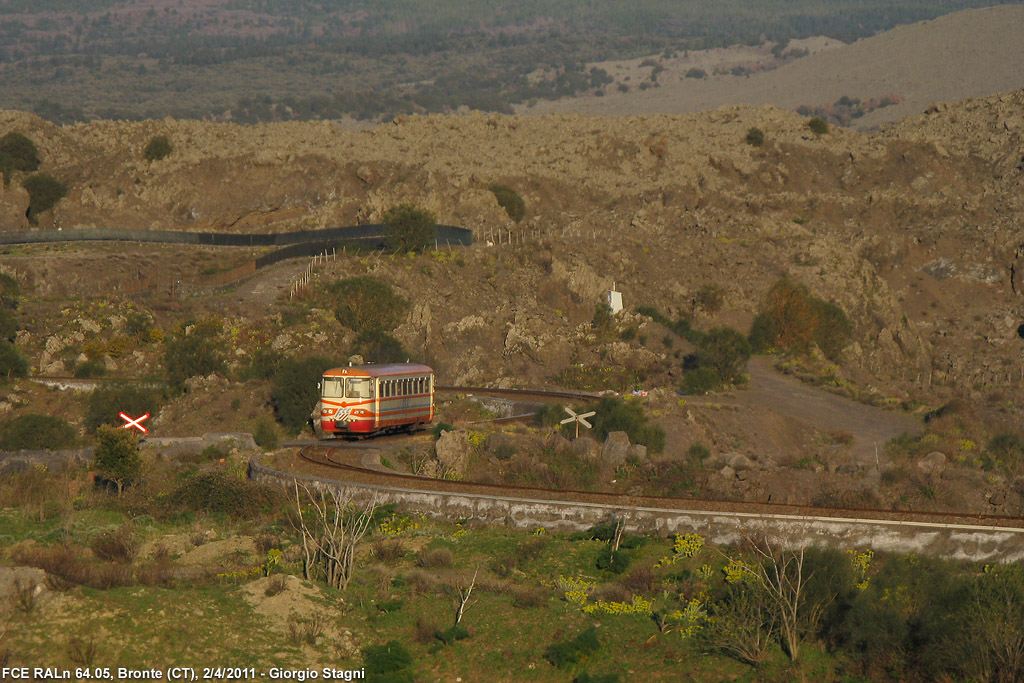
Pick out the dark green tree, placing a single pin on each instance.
(379, 347)
(116, 456)
(44, 191)
(12, 363)
(510, 200)
(755, 137)
(818, 125)
(22, 153)
(294, 391)
(726, 351)
(409, 228)
(159, 147)
(366, 303)
(195, 349)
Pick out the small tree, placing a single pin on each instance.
(22, 153)
(755, 137)
(510, 200)
(12, 363)
(159, 147)
(294, 392)
(409, 228)
(379, 347)
(726, 351)
(117, 455)
(818, 125)
(194, 350)
(367, 303)
(44, 191)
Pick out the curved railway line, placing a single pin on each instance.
(331, 454)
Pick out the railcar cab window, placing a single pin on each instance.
(334, 388)
(359, 388)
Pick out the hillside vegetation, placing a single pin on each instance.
(250, 60)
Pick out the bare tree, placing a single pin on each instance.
(332, 526)
(464, 593)
(783, 577)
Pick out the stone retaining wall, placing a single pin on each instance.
(959, 542)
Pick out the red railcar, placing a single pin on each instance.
(367, 399)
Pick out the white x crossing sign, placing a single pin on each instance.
(578, 419)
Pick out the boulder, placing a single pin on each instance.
(616, 448)
(638, 451)
(933, 463)
(586, 448)
(557, 443)
(454, 451)
(738, 461)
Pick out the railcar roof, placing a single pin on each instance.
(374, 370)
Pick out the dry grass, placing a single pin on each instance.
(435, 558)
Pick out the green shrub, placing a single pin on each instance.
(617, 415)
(294, 391)
(105, 403)
(367, 303)
(22, 153)
(138, 325)
(598, 678)
(8, 324)
(37, 432)
(449, 635)
(116, 456)
(222, 494)
(265, 434)
(569, 653)
(376, 346)
(726, 351)
(818, 125)
(262, 365)
(388, 658)
(409, 228)
(755, 137)
(615, 561)
(194, 350)
(698, 453)
(43, 192)
(696, 72)
(700, 381)
(7, 168)
(12, 363)
(510, 200)
(602, 321)
(549, 415)
(90, 368)
(159, 147)
(440, 428)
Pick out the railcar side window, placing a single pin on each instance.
(334, 388)
(360, 388)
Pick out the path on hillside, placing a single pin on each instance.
(871, 427)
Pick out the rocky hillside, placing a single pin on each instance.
(914, 231)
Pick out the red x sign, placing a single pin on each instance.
(134, 423)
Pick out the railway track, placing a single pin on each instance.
(339, 457)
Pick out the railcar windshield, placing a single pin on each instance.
(334, 388)
(360, 388)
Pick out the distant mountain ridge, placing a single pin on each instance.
(973, 53)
